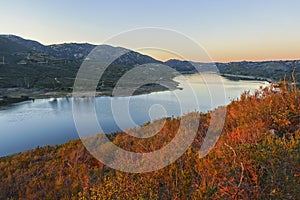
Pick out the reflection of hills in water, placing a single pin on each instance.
(54, 118)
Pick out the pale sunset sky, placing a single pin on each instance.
(229, 30)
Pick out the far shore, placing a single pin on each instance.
(244, 77)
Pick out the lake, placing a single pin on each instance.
(43, 122)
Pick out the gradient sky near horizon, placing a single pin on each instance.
(230, 30)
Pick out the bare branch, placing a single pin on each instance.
(294, 79)
(242, 175)
(234, 154)
(241, 180)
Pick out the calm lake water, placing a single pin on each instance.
(42, 122)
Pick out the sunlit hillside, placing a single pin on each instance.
(257, 157)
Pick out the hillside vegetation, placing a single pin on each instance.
(256, 157)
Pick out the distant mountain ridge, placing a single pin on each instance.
(73, 51)
(272, 70)
(6, 46)
(67, 50)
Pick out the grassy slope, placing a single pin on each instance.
(248, 161)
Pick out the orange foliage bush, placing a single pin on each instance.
(257, 157)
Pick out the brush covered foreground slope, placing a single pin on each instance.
(256, 157)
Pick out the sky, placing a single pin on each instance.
(229, 30)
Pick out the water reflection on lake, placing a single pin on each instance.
(50, 121)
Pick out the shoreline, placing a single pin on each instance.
(10, 96)
(245, 77)
(13, 96)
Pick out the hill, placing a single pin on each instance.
(35, 70)
(66, 51)
(29, 69)
(247, 162)
(7, 47)
(270, 71)
(69, 51)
